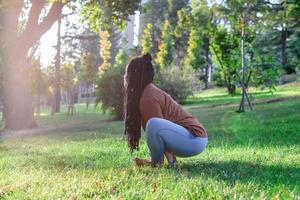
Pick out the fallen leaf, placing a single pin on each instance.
(3, 147)
(154, 187)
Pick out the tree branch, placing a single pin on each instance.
(222, 66)
(28, 38)
(81, 37)
(34, 13)
(11, 15)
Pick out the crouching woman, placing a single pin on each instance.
(170, 130)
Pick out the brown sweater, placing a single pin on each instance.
(154, 102)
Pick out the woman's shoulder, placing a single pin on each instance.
(149, 90)
(152, 92)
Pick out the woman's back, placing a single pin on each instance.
(154, 102)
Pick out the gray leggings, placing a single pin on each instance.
(163, 134)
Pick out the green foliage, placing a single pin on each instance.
(197, 19)
(266, 71)
(283, 22)
(177, 82)
(88, 70)
(226, 54)
(122, 58)
(147, 42)
(173, 7)
(110, 87)
(38, 79)
(184, 22)
(105, 46)
(194, 51)
(110, 91)
(68, 77)
(165, 54)
(218, 79)
(154, 13)
(293, 51)
(102, 13)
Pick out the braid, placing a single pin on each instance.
(140, 73)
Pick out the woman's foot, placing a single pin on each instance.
(173, 164)
(171, 158)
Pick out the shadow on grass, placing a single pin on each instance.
(73, 130)
(95, 160)
(234, 171)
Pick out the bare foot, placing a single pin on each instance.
(173, 164)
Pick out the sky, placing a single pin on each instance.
(47, 46)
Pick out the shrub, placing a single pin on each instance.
(217, 79)
(110, 91)
(176, 82)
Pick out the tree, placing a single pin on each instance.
(282, 20)
(225, 48)
(164, 56)
(69, 81)
(155, 12)
(110, 87)
(57, 91)
(105, 55)
(197, 18)
(18, 106)
(194, 56)
(182, 32)
(38, 83)
(114, 38)
(243, 20)
(88, 74)
(180, 43)
(1, 82)
(147, 43)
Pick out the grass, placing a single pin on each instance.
(252, 155)
(219, 96)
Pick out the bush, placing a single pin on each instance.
(176, 82)
(217, 79)
(110, 91)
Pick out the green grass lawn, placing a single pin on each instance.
(252, 155)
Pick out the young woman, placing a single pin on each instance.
(170, 130)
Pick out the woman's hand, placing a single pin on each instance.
(139, 162)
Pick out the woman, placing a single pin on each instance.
(170, 130)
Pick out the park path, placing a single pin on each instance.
(48, 129)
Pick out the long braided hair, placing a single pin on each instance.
(139, 73)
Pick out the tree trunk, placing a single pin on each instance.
(206, 46)
(231, 89)
(57, 69)
(88, 95)
(242, 105)
(283, 47)
(38, 105)
(227, 75)
(71, 107)
(18, 102)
